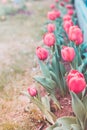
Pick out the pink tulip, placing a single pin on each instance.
(51, 27)
(49, 39)
(75, 35)
(32, 91)
(41, 53)
(68, 53)
(76, 81)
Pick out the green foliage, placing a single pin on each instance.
(54, 77)
(63, 123)
(77, 122)
(79, 109)
(43, 103)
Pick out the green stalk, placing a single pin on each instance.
(79, 56)
(49, 115)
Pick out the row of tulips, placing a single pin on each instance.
(63, 46)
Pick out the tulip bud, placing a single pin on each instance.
(56, 1)
(41, 53)
(62, 4)
(75, 35)
(76, 81)
(67, 25)
(51, 15)
(66, 17)
(68, 53)
(70, 11)
(32, 91)
(57, 13)
(49, 39)
(51, 28)
(69, 6)
(66, 0)
(52, 6)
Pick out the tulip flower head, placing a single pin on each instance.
(68, 53)
(56, 1)
(57, 13)
(66, 0)
(67, 25)
(76, 81)
(69, 6)
(62, 4)
(75, 35)
(51, 28)
(66, 17)
(49, 39)
(52, 6)
(51, 15)
(41, 53)
(70, 12)
(32, 91)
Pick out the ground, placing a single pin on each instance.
(20, 34)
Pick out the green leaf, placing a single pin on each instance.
(84, 100)
(62, 68)
(62, 73)
(85, 54)
(47, 83)
(78, 108)
(44, 69)
(55, 66)
(55, 100)
(75, 127)
(83, 47)
(80, 68)
(65, 122)
(54, 78)
(46, 102)
(50, 116)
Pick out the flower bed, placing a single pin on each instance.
(63, 64)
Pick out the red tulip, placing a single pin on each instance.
(52, 6)
(41, 53)
(70, 11)
(67, 25)
(32, 91)
(49, 39)
(69, 6)
(75, 35)
(51, 27)
(66, 0)
(57, 13)
(75, 81)
(62, 4)
(51, 15)
(56, 1)
(68, 53)
(66, 17)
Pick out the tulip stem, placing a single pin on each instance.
(71, 66)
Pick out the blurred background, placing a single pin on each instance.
(21, 28)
